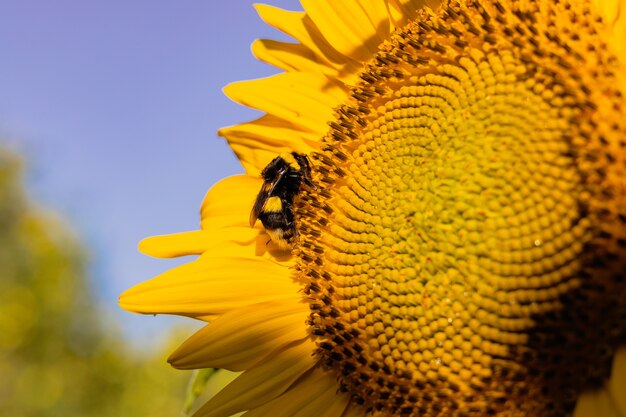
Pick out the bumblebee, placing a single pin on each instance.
(282, 178)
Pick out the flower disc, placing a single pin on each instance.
(465, 247)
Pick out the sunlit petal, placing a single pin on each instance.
(313, 396)
(240, 338)
(261, 383)
(204, 288)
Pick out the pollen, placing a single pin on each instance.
(465, 246)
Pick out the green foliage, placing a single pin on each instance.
(197, 386)
(58, 356)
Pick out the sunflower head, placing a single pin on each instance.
(458, 247)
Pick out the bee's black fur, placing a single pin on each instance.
(282, 177)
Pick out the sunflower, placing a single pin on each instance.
(462, 251)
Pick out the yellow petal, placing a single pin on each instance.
(203, 288)
(306, 101)
(288, 22)
(354, 410)
(610, 400)
(315, 395)
(244, 242)
(300, 26)
(286, 56)
(596, 404)
(357, 37)
(617, 382)
(258, 142)
(263, 382)
(327, 403)
(227, 242)
(178, 244)
(228, 203)
(241, 338)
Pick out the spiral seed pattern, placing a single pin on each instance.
(464, 250)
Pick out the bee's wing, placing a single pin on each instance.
(267, 190)
(261, 198)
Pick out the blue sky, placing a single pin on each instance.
(115, 105)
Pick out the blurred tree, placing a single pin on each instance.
(58, 357)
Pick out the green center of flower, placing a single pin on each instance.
(468, 231)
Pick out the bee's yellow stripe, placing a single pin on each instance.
(291, 161)
(273, 204)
